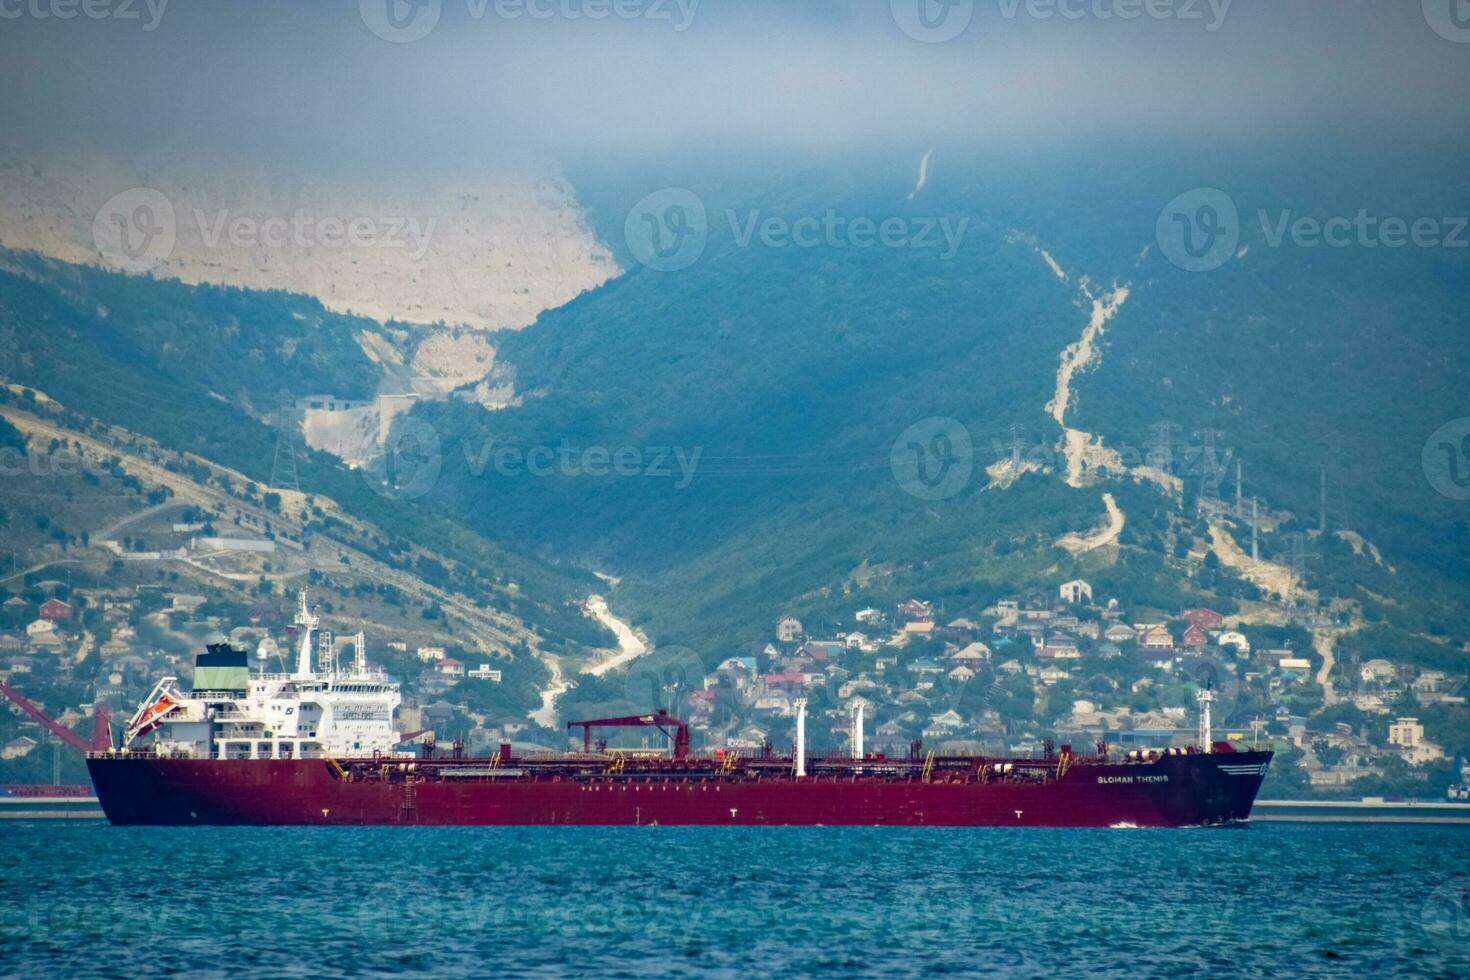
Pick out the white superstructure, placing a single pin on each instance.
(319, 709)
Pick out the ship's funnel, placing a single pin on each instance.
(222, 668)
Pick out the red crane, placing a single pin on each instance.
(101, 722)
(661, 720)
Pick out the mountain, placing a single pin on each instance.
(789, 379)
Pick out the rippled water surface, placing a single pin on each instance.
(88, 899)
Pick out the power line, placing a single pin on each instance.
(283, 464)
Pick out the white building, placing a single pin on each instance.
(1075, 592)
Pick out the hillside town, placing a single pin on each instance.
(1072, 667)
(1062, 665)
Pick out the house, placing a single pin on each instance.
(1050, 675)
(18, 747)
(55, 609)
(430, 654)
(43, 633)
(944, 724)
(1232, 638)
(185, 603)
(868, 616)
(916, 609)
(1061, 648)
(1405, 733)
(961, 674)
(925, 667)
(450, 667)
(919, 627)
(1075, 592)
(1206, 619)
(10, 644)
(788, 629)
(485, 673)
(1120, 633)
(1378, 672)
(1010, 667)
(858, 641)
(784, 682)
(821, 649)
(972, 654)
(1195, 636)
(1155, 637)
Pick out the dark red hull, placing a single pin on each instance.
(1174, 791)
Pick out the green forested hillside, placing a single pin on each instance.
(792, 371)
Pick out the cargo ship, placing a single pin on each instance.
(317, 746)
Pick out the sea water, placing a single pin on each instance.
(87, 899)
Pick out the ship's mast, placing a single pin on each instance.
(800, 737)
(307, 620)
(359, 646)
(858, 707)
(1206, 732)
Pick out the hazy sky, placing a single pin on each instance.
(313, 81)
